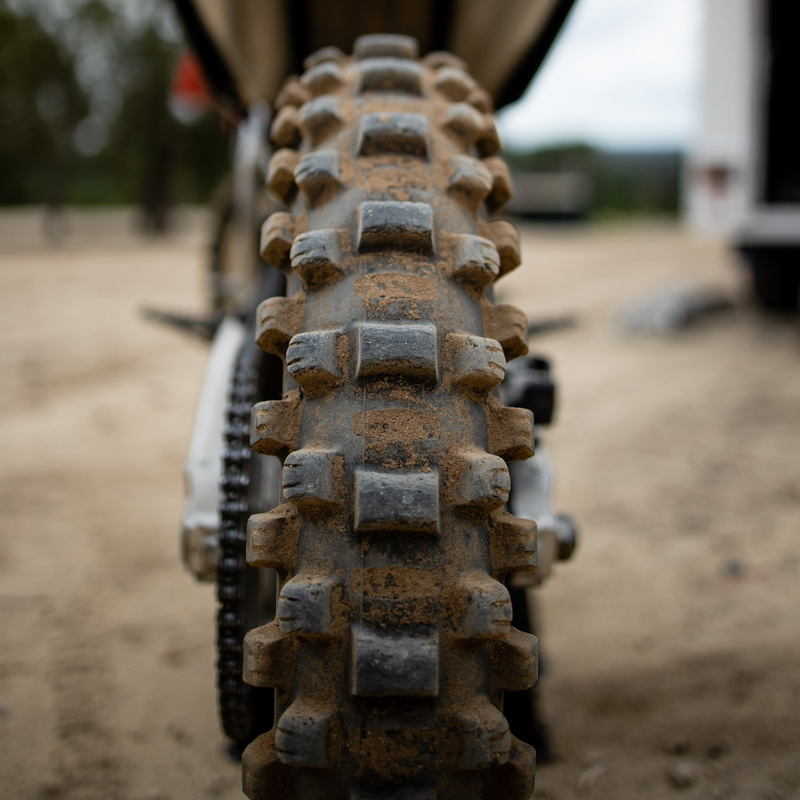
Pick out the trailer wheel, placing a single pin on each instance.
(775, 274)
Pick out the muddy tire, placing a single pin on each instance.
(393, 644)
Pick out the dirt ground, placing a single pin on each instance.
(671, 642)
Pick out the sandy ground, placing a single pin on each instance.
(672, 641)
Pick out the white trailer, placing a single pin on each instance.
(744, 171)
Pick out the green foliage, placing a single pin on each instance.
(40, 105)
(623, 182)
(110, 136)
(150, 157)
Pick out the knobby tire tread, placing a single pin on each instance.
(392, 644)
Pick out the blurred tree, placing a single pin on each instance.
(623, 182)
(41, 103)
(151, 156)
(105, 66)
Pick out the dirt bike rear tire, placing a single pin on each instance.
(393, 642)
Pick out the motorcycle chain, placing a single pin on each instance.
(244, 710)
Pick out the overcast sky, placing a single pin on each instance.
(622, 74)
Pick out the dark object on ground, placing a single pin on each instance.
(538, 327)
(201, 327)
(673, 310)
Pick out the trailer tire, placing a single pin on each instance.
(775, 273)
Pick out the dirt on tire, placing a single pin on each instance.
(392, 644)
